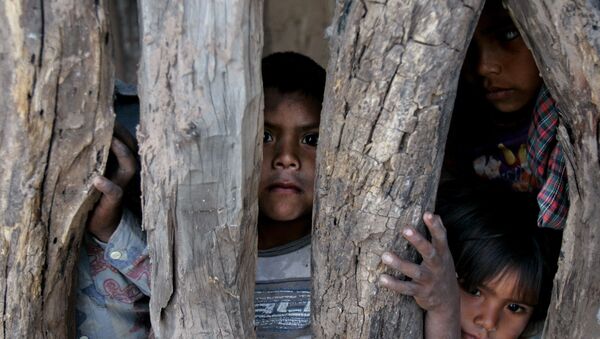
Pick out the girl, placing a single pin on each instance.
(497, 283)
(505, 120)
(499, 85)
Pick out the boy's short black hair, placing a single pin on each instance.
(291, 72)
(491, 230)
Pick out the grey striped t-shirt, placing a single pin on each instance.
(282, 294)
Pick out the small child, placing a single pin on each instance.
(294, 86)
(504, 125)
(500, 279)
(114, 266)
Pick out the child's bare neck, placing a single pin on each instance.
(274, 233)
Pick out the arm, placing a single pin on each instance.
(433, 283)
(118, 231)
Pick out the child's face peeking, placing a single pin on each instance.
(494, 310)
(501, 62)
(289, 151)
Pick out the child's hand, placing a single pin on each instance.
(105, 217)
(434, 285)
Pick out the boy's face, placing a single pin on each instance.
(289, 151)
(501, 62)
(494, 310)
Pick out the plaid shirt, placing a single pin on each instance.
(547, 163)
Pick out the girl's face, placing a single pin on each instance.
(501, 64)
(494, 310)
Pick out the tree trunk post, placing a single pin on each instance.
(565, 39)
(391, 85)
(201, 129)
(56, 129)
(126, 39)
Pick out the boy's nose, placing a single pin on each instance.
(286, 158)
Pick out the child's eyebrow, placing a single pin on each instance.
(308, 126)
(513, 298)
(303, 127)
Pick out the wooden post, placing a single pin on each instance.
(565, 39)
(391, 84)
(56, 126)
(201, 129)
(124, 29)
(299, 26)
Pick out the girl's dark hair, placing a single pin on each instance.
(492, 230)
(291, 72)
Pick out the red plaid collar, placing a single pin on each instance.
(547, 163)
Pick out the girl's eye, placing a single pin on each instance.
(267, 137)
(516, 308)
(474, 291)
(509, 34)
(311, 139)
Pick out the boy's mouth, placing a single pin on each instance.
(284, 187)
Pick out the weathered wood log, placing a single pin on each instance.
(56, 126)
(125, 32)
(298, 25)
(565, 39)
(201, 129)
(391, 84)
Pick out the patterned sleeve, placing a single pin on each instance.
(547, 163)
(127, 251)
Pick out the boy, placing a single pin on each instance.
(294, 87)
(492, 135)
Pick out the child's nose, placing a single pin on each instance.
(488, 63)
(488, 318)
(286, 157)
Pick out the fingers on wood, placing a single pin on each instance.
(126, 162)
(111, 191)
(439, 237)
(409, 269)
(422, 245)
(404, 287)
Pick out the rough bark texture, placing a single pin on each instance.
(298, 25)
(565, 39)
(390, 90)
(289, 25)
(126, 38)
(201, 124)
(56, 125)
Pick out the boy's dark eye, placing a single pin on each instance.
(267, 137)
(509, 34)
(311, 139)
